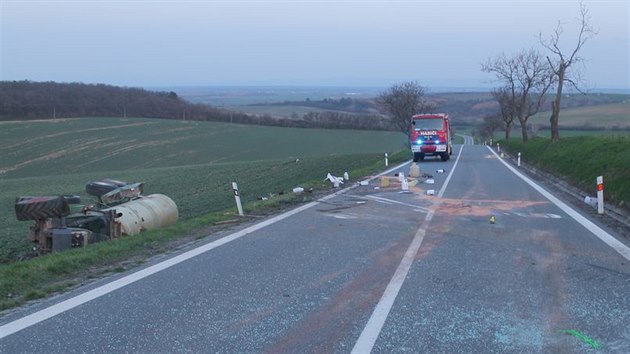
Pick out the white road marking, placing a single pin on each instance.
(373, 328)
(54, 310)
(391, 201)
(589, 225)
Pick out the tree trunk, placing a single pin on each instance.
(508, 129)
(524, 130)
(555, 106)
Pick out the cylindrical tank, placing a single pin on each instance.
(146, 213)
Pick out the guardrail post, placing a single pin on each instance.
(519, 159)
(386, 160)
(237, 196)
(600, 194)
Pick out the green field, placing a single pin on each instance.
(607, 116)
(192, 162)
(579, 160)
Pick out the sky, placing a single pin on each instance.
(301, 43)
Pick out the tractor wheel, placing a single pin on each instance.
(117, 182)
(98, 188)
(72, 199)
(37, 208)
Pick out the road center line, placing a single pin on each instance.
(589, 225)
(373, 328)
(56, 309)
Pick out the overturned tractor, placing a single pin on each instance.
(120, 209)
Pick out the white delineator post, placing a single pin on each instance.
(498, 147)
(519, 159)
(238, 199)
(600, 194)
(386, 160)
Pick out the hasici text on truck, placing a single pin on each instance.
(430, 136)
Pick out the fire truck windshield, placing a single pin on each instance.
(427, 124)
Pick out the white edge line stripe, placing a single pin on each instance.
(375, 324)
(589, 225)
(56, 309)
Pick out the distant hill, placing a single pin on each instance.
(344, 109)
(27, 100)
(465, 108)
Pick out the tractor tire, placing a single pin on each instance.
(72, 199)
(117, 182)
(98, 188)
(37, 208)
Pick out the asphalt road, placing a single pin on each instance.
(372, 268)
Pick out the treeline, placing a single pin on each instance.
(345, 104)
(27, 100)
(45, 100)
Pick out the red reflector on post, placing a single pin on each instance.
(600, 187)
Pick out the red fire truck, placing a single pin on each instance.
(430, 136)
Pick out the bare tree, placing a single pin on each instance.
(562, 63)
(491, 123)
(402, 101)
(526, 79)
(505, 97)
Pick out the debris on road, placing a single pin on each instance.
(336, 181)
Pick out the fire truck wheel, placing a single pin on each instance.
(36, 208)
(445, 156)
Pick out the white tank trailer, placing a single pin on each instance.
(145, 213)
(124, 211)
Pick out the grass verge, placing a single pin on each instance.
(579, 160)
(41, 276)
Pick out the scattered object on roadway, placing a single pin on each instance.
(413, 183)
(431, 192)
(502, 156)
(346, 176)
(591, 201)
(364, 183)
(441, 170)
(414, 170)
(401, 176)
(426, 175)
(298, 190)
(120, 210)
(263, 198)
(493, 219)
(384, 181)
(404, 185)
(377, 188)
(336, 181)
(584, 338)
(430, 181)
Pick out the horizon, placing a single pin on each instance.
(312, 43)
